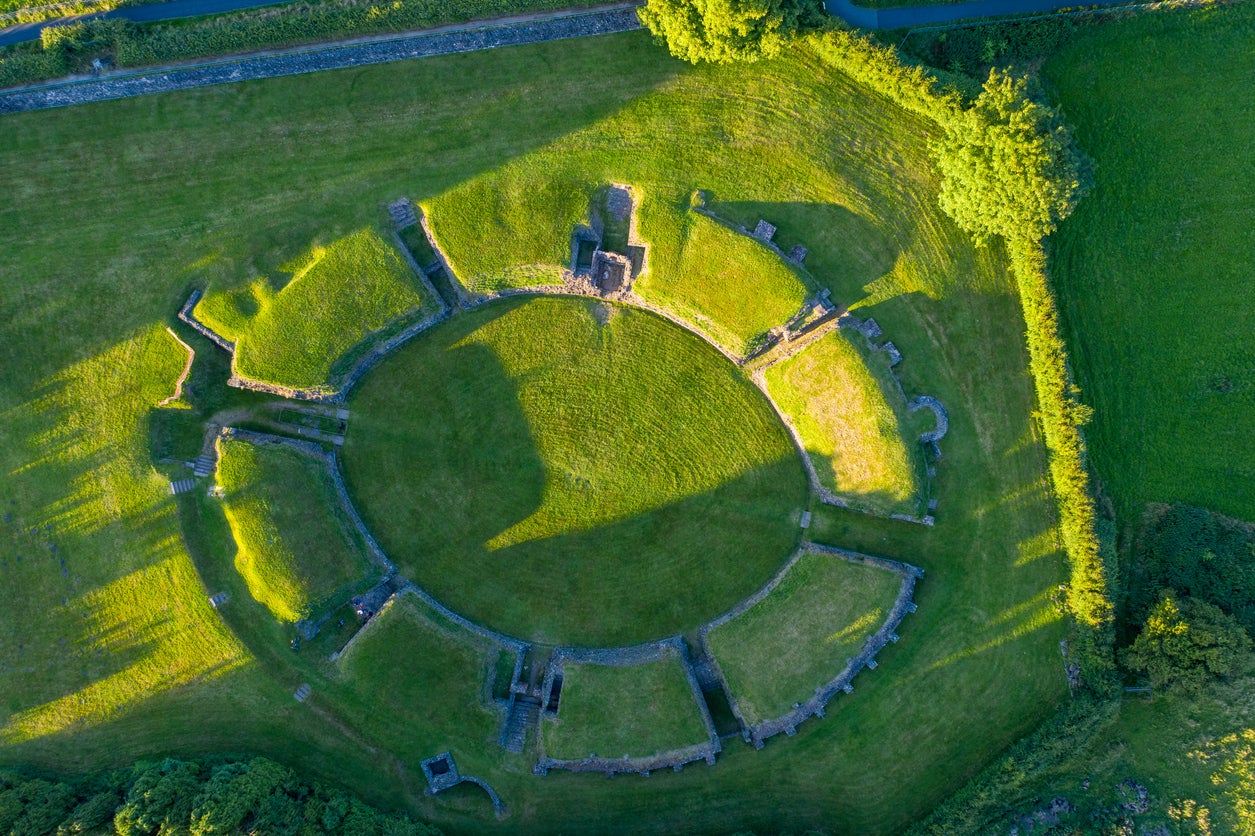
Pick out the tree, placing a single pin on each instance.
(1186, 643)
(724, 31)
(1008, 166)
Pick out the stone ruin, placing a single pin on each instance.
(606, 252)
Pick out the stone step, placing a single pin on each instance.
(302, 693)
(402, 212)
(524, 715)
(204, 465)
(182, 486)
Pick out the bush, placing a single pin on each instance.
(1197, 553)
(1187, 643)
(724, 31)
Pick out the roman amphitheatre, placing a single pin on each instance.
(545, 435)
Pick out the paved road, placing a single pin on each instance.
(845, 9)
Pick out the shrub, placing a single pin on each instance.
(724, 31)
(1187, 643)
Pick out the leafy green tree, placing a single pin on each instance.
(160, 801)
(1186, 643)
(724, 31)
(1008, 166)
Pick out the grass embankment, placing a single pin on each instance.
(728, 285)
(802, 634)
(419, 681)
(295, 549)
(573, 481)
(853, 421)
(298, 327)
(1153, 270)
(610, 712)
(277, 164)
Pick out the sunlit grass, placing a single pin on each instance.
(583, 481)
(853, 421)
(802, 634)
(296, 549)
(295, 327)
(636, 711)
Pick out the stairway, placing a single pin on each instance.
(182, 486)
(524, 715)
(204, 465)
(402, 212)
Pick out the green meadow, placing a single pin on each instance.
(1153, 270)
(116, 655)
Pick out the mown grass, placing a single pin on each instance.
(1153, 270)
(802, 634)
(420, 682)
(294, 550)
(853, 421)
(228, 183)
(571, 481)
(298, 326)
(610, 712)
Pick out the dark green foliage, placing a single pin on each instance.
(1007, 164)
(982, 805)
(1186, 643)
(177, 797)
(973, 49)
(724, 31)
(71, 48)
(1199, 554)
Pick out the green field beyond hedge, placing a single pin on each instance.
(1154, 269)
(571, 481)
(224, 184)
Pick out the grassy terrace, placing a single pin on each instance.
(853, 422)
(298, 326)
(228, 183)
(418, 681)
(573, 481)
(801, 635)
(611, 712)
(1153, 270)
(295, 550)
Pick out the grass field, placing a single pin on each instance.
(298, 326)
(295, 551)
(611, 712)
(1153, 270)
(228, 183)
(854, 423)
(420, 682)
(801, 635)
(571, 481)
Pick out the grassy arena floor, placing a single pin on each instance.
(227, 183)
(298, 327)
(295, 550)
(610, 712)
(853, 422)
(799, 637)
(1153, 269)
(570, 481)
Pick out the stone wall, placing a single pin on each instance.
(186, 315)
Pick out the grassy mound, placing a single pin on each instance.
(1153, 270)
(298, 328)
(420, 680)
(801, 635)
(726, 283)
(295, 550)
(577, 472)
(611, 712)
(852, 419)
